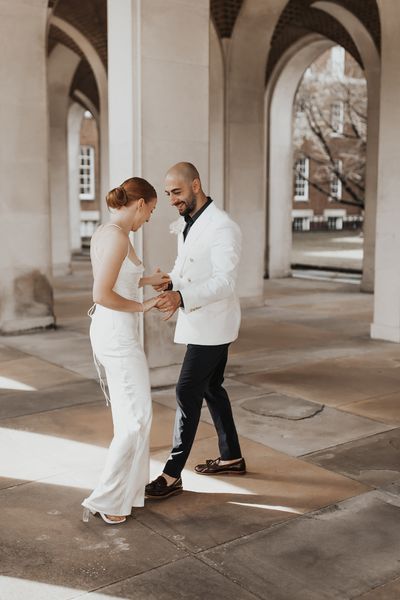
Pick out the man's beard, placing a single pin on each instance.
(190, 206)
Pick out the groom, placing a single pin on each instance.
(202, 287)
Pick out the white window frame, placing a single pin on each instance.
(300, 182)
(335, 192)
(338, 58)
(337, 117)
(86, 172)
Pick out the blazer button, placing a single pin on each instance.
(189, 280)
(191, 259)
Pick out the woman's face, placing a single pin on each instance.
(144, 211)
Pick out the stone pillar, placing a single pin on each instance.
(386, 323)
(217, 150)
(75, 115)
(25, 292)
(371, 61)
(158, 98)
(61, 68)
(245, 157)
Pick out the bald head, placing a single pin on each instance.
(184, 171)
(183, 186)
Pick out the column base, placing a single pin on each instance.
(27, 325)
(385, 332)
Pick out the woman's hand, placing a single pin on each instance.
(158, 280)
(150, 303)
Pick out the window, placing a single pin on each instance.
(337, 62)
(301, 184)
(337, 116)
(336, 184)
(86, 173)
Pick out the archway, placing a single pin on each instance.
(100, 74)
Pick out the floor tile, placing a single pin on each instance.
(374, 460)
(186, 578)
(44, 540)
(385, 409)
(334, 554)
(297, 437)
(32, 374)
(213, 510)
(68, 394)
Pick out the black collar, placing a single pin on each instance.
(190, 220)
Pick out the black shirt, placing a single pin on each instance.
(190, 220)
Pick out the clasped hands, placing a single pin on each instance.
(168, 301)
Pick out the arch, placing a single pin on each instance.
(371, 61)
(280, 95)
(100, 75)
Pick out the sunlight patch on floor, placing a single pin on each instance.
(13, 384)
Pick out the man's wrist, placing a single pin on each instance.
(169, 286)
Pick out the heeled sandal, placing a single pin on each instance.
(87, 512)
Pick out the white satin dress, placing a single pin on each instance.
(116, 345)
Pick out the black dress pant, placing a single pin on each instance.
(201, 377)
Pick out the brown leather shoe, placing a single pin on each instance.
(213, 467)
(159, 489)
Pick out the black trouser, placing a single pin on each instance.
(202, 376)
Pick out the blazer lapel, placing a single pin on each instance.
(196, 231)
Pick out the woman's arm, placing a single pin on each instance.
(114, 252)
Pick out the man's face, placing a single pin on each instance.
(181, 195)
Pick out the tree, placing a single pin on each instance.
(334, 149)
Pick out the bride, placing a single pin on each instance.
(114, 335)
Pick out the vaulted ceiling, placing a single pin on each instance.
(297, 20)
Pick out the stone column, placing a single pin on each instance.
(371, 60)
(158, 98)
(25, 292)
(75, 115)
(386, 323)
(245, 158)
(61, 68)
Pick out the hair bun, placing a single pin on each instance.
(117, 197)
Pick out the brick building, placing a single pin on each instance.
(328, 184)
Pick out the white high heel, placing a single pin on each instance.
(86, 515)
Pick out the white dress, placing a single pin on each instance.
(116, 345)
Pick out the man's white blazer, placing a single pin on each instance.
(205, 273)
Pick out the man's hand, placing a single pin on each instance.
(168, 303)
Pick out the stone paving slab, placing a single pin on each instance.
(374, 460)
(213, 510)
(66, 348)
(7, 353)
(334, 554)
(385, 409)
(71, 440)
(326, 428)
(184, 579)
(389, 591)
(68, 394)
(334, 382)
(31, 373)
(44, 540)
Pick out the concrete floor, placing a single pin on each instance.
(317, 404)
(330, 249)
